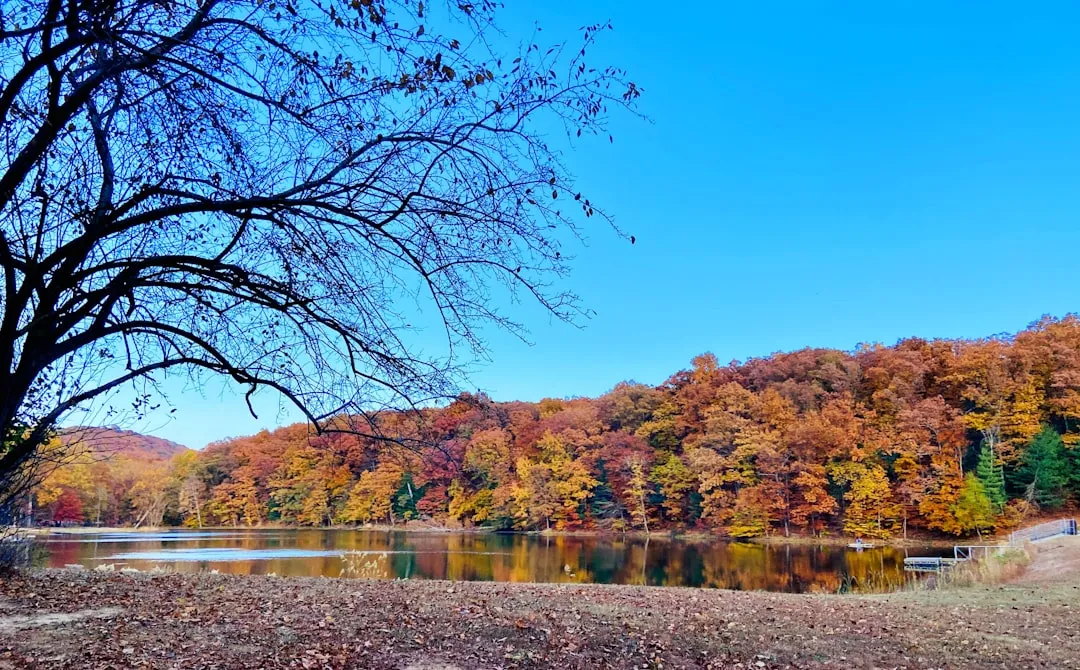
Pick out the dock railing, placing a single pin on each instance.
(1043, 531)
(968, 552)
(974, 552)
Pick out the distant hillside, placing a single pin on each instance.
(112, 440)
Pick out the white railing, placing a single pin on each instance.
(968, 552)
(1043, 531)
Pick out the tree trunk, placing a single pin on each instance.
(139, 522)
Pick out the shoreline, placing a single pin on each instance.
(59, 618)
(679, 536)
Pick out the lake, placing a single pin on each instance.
(371, 554)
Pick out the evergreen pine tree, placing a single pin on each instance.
(604, 505)
(1072, 458)
(992, 477)
(1044, 469)
(404, 505)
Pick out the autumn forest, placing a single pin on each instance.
(933, 437)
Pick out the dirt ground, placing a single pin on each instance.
(80, 619)
(1055, 560)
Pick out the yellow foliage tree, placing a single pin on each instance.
(1022, 419)
(635, 492)
(871, 509)
(674, 481)
(148, 494)
(237, 501)
(551, 488)
(750, 516)
(372, 498)
(531, 496)
(73, 475)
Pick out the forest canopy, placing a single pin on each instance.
(954, 437)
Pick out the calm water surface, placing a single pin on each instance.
(491, 557)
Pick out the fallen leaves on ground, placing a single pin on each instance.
(220, 621)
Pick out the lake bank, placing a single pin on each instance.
(76, 619)
(834, 541)
(685, 536)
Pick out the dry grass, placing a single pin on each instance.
(993, 568)
(1053, 561)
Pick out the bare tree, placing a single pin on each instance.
(276, 192)
(188, 497)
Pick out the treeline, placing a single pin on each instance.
(956, 437)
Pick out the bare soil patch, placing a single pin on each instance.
(1054, 560)
(12, 623)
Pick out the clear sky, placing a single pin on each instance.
(814, 174)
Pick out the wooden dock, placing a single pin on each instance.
(961, 553)
(928, 563)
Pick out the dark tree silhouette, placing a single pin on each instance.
(273, 191)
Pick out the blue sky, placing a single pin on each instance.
(814, 174)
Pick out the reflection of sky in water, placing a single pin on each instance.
(144, 537)
(235, 554)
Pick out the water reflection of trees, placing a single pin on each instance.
(656, 561)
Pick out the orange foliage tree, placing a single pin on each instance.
(874, 442)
